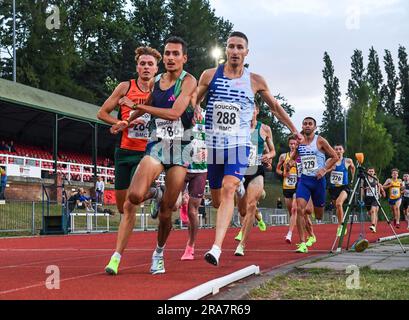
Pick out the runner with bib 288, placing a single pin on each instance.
(231, 89)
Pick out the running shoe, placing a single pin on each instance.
(189, 254)
(288, 238)
(156, 202)
(311, 240)
(241, 190)
(262, 226)
(158, 264)
(112, 267)
(239, 251)
(302, 248)
(372, 228)
(239, 236)
(212, 257)
(398, 226)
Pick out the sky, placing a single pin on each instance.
(288, 38)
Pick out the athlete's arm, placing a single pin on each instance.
(201, 91)
(104, 114)
(382, 190)
(352, 167)
(270, 145)
(280, 163)
(261, 87)
(182, 102)
(387, 184)
(330, 152)
(327, 162)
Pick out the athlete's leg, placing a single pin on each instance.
(226, 208)
(148, 170)
(120, 197)
(174, 183)
(339, 203)
(253, 192)
(301, 204)
(308, 224)
(193, 214)
(292, 211)
(241, 208)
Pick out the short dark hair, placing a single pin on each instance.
(394, 169)
(177, 40)
(311, 118)
(239, 35)
(339, 145)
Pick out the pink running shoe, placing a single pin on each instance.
(189, 254)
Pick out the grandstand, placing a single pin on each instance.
(53, 133)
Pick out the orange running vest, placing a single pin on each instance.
(133, 138)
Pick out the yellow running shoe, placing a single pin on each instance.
(311, 240)
(239, 236)
(112, 267)
(302, 248)
(262, 226)
(239, 251)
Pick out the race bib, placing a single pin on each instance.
(395, 193)
(140, 130)
(290, 181)
(337, 178)
(369, 192)
(309, 164)
(254, 160)
(169, 130)
(226, 118)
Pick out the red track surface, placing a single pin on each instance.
(81, 260)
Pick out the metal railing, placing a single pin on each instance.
(69, 169)
(23, 216)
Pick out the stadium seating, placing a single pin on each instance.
(46, 153)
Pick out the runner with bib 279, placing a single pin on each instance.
(312, 183)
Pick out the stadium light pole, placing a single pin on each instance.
(345, 110)
(14, 42)
(216, 54)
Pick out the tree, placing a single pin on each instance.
(280, 132)
(397, 129)
(366, 134)
(374, 76)
(332, 127)
(357, 75)
(195, 21)
(404, 84)
(389, 89)
(374, 73)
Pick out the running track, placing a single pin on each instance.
(81, 261)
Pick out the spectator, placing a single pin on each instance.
(3, 182)
(87, 201)
(11, 147)
(3, 146)
(99, 190)
(279, 204)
